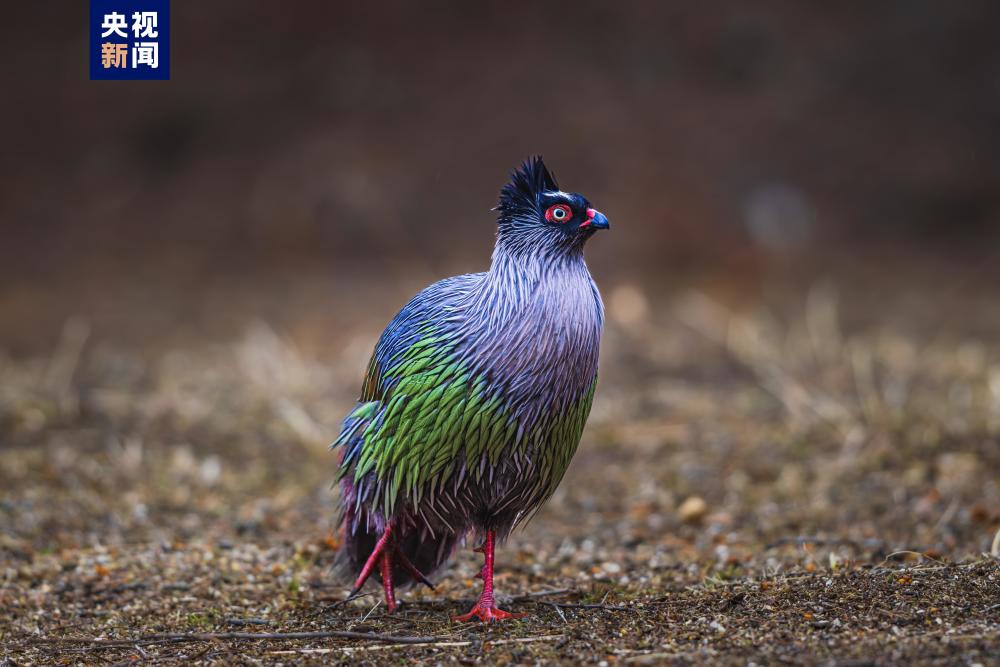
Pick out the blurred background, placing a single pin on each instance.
(359, 147)
(801, 275)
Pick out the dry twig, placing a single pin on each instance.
(439, 644)
(182, 637)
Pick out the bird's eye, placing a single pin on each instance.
(558, 213)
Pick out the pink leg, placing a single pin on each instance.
(390, 594)
(373, 560)
(382, 556)
(486, 609)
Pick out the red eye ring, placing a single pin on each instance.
(559, 213)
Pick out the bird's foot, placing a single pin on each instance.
(380, 557)
(487, 612)
(386, 554)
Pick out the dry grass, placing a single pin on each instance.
(751, 487)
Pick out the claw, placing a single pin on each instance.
(487, 614)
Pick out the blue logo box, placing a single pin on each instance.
(129, 40)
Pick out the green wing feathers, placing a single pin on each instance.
(424, 413)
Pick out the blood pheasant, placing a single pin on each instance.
(476, 397)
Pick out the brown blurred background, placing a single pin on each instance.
(308, 154)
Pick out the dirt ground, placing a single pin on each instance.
(765, 486)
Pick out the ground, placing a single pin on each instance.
(765, 485)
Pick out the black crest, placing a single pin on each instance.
(519, 198)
